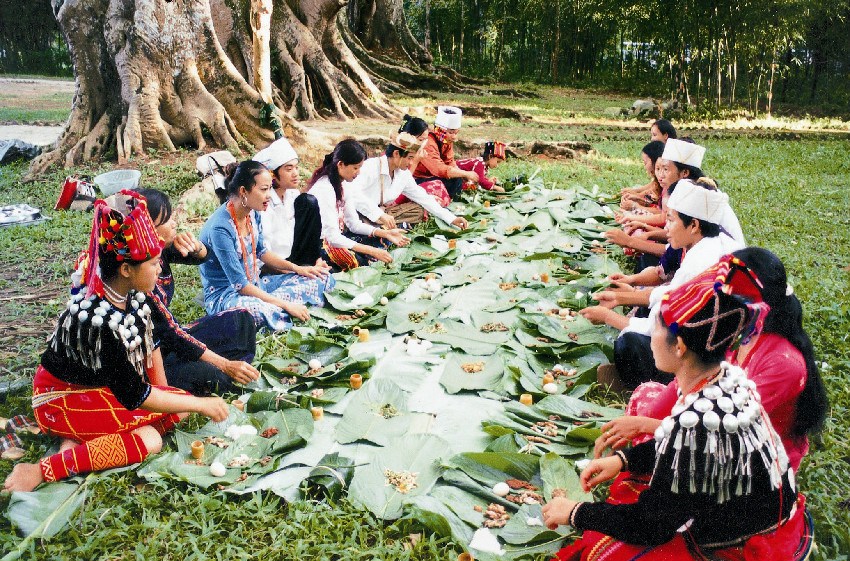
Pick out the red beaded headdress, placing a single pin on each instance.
(730, 276)
(122, 225)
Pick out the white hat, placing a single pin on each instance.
(698, 202)
(683, 152)
(448, 117)
(276, 154)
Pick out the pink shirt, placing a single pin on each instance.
(779, 371)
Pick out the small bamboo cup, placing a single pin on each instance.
(318, 413)
(363, 335)
(544, 277)
(484, 222)
(356, 381)
(526, 399)
(548, 379)
(452, 244)
(239, 404)
(486, 204)
(465, 556)
(197, 449)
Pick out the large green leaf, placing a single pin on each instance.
(404, 317)
(464, 337)
(378, 413)
(49, 509)
(415, 454)
(490, 468)
(568, 407)
(455, 378)
(558, 473)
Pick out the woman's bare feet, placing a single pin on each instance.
(24, 477)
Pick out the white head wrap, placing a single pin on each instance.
(276, 154)
(698, 202)
(448, 117)
(683, 152)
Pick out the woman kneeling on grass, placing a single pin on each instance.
(100, 385)
(231, 274)
(721, 485)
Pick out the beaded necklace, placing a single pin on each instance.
(253, 273)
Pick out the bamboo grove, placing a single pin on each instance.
(720, 53)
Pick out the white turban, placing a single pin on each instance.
(698, 202)
(276, 154)
(683, 152)
(448, 117)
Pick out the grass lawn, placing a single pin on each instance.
(791, 193)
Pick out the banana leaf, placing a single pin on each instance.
(405, 317)
(464, 337)
(558, 473)
(330, 478)
(412, 454)
(568, 407)
(461, 302)
(489, 468)
(518, 531)
(377, 413)
(456, 379)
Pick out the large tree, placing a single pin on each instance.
(154, 74)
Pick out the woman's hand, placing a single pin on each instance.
(240, 371)
(387, 221)
(599, 471)
(213, 407)
(618, 433)
(381, 255)
(187, 244)
(298, 311)
(607, 299)
(557, 512)
(396, 237)
(596, 314)
(498, 189)
(312, 272)
(460, 222)
(618, 237)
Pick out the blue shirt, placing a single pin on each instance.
(224, 269)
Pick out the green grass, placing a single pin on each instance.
(792, 196)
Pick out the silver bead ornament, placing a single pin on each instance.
(126, 344)
(74, 308)
(678, 409)
(690, 399)
(131, 319)
(749, 384)
(703, 405)
(97, 320)
(105, 304)
(132, 346)
(85, 304)
(730, 423)
(77, 297)
(146, 309)
(135, 305)
(712, 392)
(134, 330)
(100, 312)
(70, 303)
(792, 481)
(659, 433)
(726, 405)
(140, 297)
(113, 325)
(739, 399)
(689, 419)
(726, 385)
(743, 420)
(667, 425)
(84, 315)
(711, 420)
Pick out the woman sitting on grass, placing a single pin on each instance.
(721, 486)
(780, 360)
(348, 241)
(646, 199)
(227, 339)
(493, 155)
(100, 386)
(231, 274)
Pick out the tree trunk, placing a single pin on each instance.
(152, 74)
(261, 22)
(381, 27)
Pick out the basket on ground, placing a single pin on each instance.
(113, 181)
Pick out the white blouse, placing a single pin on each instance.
(334, 221)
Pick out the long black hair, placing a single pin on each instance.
(159, 205)
(348, 152)
(653, 150)
(243, 174)
(665, 127)
(786, 320)
(413, 125)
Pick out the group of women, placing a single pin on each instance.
(726, 388)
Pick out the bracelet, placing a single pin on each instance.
(572, 516)
(622, 456)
